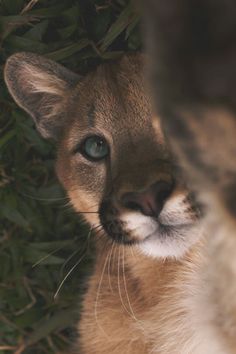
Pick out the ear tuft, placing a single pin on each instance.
(41, 87)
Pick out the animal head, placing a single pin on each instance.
(112, 157)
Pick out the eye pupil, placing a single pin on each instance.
(95, 148)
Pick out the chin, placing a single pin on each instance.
(170, 234)
(171, 241)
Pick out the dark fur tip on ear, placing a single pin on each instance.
(40, 86)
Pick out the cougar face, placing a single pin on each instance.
(112, 159)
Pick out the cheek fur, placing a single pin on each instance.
(177, 211)
(85, 203)
(84, 183)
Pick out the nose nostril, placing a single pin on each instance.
(132, 205)
(151, 201)
(163, 193)
(130, 201)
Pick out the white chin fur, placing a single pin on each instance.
(171, 246)
(141, 226)
(175, 242)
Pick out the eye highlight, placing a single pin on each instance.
(95, 148)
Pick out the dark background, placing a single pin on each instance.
(41, 238)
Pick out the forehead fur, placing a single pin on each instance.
(113, 98)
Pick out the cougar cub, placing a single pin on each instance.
(154, 288)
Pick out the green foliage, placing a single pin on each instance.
(41, 238)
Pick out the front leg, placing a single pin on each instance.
(193, 72)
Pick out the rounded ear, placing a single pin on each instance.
(40, 86)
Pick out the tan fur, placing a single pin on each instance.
(169, 306)
(137, 302)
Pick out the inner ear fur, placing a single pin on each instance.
(41, 87)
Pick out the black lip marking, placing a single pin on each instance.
(113, 227)
(196, 206)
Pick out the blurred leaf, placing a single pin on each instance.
(72, 14)
(14, 216)
(5, 267)
(26, 129)
(48, 193)
(126, 17)
(59, 320)
(10, 23)
(51, 11)
(112, 55)
(134, 42)
(66, 32)
(33, 256)
(7, 137)
(68, 51)
(51, 246)
(25, 44)
(132, 26)
(13, 6)
(28, 317)
(36, 33)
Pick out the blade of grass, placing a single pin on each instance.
(66, 52)
(123, 21)
(59, 320)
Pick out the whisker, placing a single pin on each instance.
(89, 238)
(118, 281)
(77, 263)
(97, 227)
(132, 251)
(67, 275)
(68, 259)
(57, 250)
(97, 297)
(87, 212)
(47, 256)
(77, 251)
(125, 286)
(109, 267)
(70, 205)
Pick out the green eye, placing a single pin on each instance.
(95, 148)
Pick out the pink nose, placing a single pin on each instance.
(151, 201)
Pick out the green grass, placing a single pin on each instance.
(41, 238)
